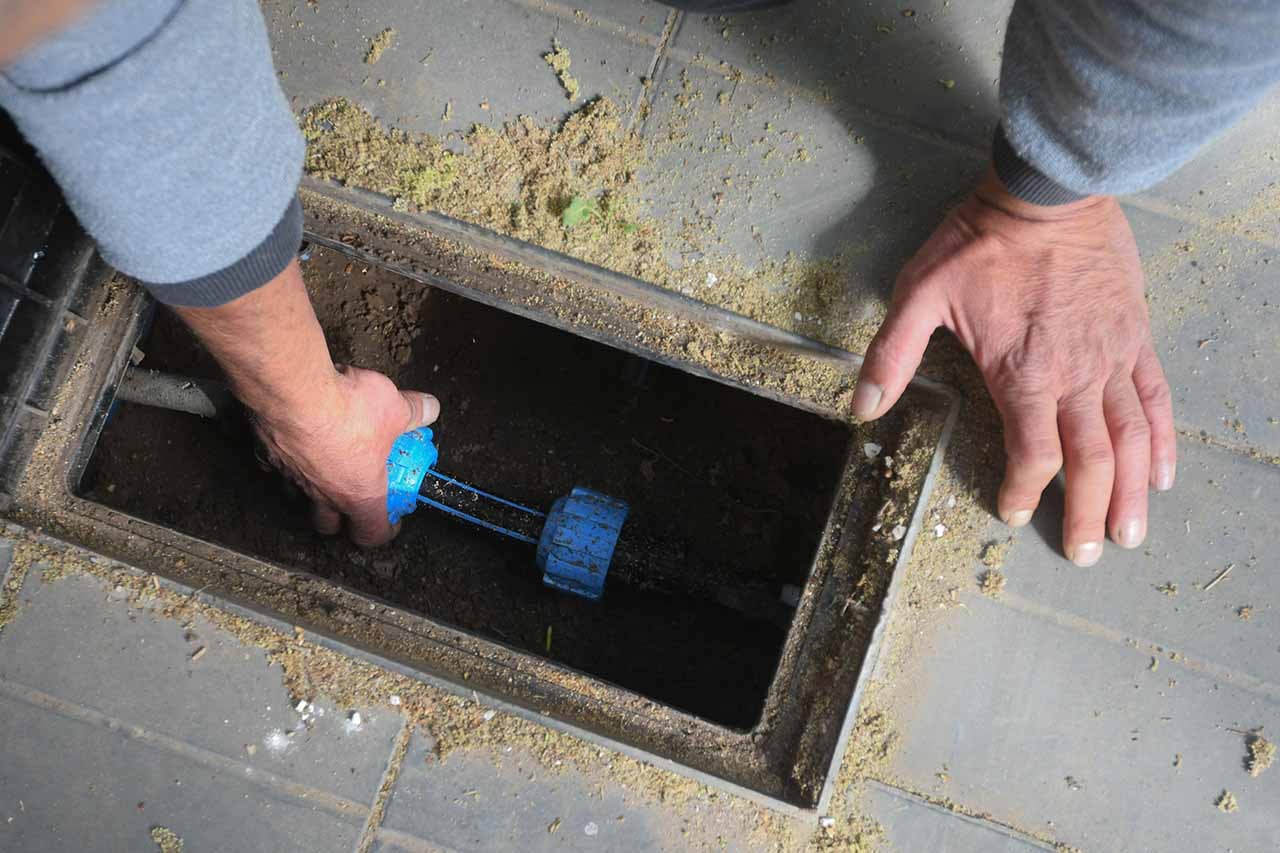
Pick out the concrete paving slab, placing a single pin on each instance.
(506, 800)
(1221, 514)
(73, 779)
(911, 824)
(470, 61)
(760, 173)
(1215, 311)
(1234, 182)
(1054, 727)
(935, 68)
(637, 20)
(76, 640)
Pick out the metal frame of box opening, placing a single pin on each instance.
(512, 275)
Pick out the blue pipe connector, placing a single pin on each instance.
(577, 542)
(578, 537)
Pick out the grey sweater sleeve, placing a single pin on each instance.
(165, 126)
(1110, 96)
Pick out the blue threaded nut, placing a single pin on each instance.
(411, 456)
(577, 541)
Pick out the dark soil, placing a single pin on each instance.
(728, 490)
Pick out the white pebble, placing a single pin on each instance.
(899, 532)
(301, 707)
(939, 530)
(826, 822)
(591, 828)
(354, 723)
(489, 715)
(276, 741)
(711, 279)
(951, 502)
(395, 700)
(871, 449)
(798, 316)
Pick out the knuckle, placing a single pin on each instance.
(1130, 493)
(886, 349)
(1132, 430)
(1039, 458)
(1094, 454)
(1155, 392)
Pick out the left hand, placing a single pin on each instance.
(1049, 301)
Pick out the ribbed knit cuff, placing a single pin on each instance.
(1023, 179)
(266, 261)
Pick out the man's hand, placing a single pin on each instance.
(1049, 301)
(337, 451)
(328, 429)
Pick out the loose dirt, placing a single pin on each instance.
(1262, 753)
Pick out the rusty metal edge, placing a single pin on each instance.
(877, 646)
(630, 287)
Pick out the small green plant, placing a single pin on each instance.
(578, 211)
(582, 209)
(421, 185)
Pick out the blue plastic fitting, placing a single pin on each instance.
(577, 541)
(411, 457)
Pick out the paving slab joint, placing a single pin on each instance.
(644, 96)
(378, 809)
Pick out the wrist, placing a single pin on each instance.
(992, 192)
(1024, 180)
(304, 407)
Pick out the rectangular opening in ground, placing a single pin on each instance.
(730, 490)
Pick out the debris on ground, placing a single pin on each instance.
(991, 583)
(995, 552)
(1262, 753)
(378, 45)
(166, 839)
(1245, 612)
(554, 827)
(518, 180)
(559, 60)
(1218, 578)
(1227, 802)
(1170, 589)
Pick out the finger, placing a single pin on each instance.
(367, 522)
(422, 409)
(1033, 451)
(1131, 443)
(1090, 464)
(1157, 403)
(325, 519)
(894, 355)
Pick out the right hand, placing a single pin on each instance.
(336, 449)
(1049, 301)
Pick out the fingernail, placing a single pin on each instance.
(1164, 476)
(1130, 533)
(1086, 554)
(1018, 518)
(866, 398)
